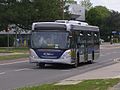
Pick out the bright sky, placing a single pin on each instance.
(110, 4)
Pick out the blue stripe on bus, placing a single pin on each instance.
(49, 54)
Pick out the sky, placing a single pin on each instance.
(110, 4)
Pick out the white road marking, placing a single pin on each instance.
(2, 73)
(17, 70)
(65, 70)
(13, 63)
(117, 59)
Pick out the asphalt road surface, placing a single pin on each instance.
(16, 75)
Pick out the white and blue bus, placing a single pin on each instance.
(64, 42)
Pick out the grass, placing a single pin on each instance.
(99, 84)
(14, 53)
(12, 49)
(13, 57)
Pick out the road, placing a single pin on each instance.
(16, 75)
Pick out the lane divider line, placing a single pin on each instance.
(17, 70)
(2, 73)
(117, 60)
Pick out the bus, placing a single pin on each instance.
(63, 42)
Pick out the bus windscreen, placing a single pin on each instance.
(54, 40)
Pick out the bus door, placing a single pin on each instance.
(86, 47)
(90, 48)
(82, 47)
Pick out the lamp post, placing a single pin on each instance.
(8, 37)
(16, 32)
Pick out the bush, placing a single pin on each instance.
(115, 40)
(4, 40)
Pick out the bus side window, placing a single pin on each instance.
(78, 40)
(81, 37)
(96, 40)
(89, 38)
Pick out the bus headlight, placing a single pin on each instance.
(33, 54)
(66, 54)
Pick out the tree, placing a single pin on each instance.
(113, 22)
(70, 1)
(24, 12)
(87, 4)
(98, 16)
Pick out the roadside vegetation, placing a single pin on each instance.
(13, 53)
(13, 50)
(98, 84)
(13, 57)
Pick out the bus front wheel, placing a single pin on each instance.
(90, 62)
(41, 65)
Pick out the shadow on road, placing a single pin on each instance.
(60, 66)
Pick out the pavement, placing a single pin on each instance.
(111, 71)
(108, 72)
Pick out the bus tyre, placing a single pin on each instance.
(90, 62)
(41, 65)
(76, 65)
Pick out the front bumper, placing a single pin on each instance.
(51, 61)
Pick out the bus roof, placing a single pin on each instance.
(63, 25)
(72, 22)
(84, 28)
(48, 26)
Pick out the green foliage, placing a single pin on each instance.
(114, 20)
(87, 4)
(14, 57)
(4, 40)
(24, 12)
(98, 16)
(70, 1)
(14, 50)
(107, 21)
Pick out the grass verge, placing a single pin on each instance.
(13, 53)
(12, 49)
(99, 84)
(13, 57)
